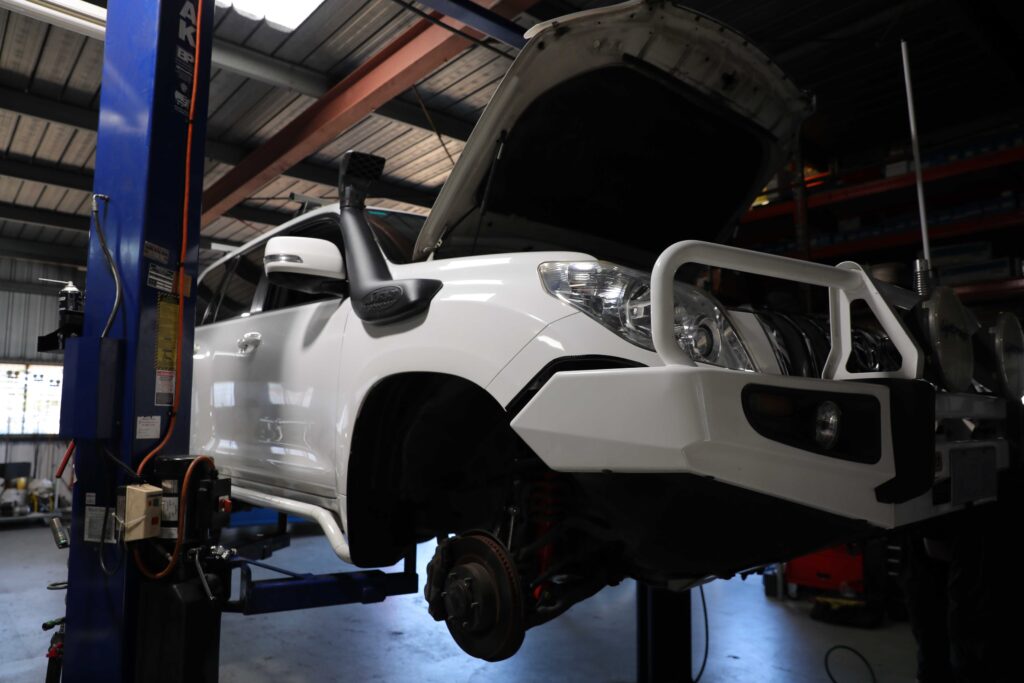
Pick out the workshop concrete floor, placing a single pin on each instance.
(753, 638)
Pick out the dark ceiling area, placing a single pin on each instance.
(967, 62)
(967, 59)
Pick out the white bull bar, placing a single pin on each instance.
(846, 283)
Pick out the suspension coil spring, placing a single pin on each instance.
(547, 499)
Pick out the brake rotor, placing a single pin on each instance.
(481, 595)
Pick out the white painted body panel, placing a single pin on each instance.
(268, 415)
(685, 419)
(488, 309)
(281, 416)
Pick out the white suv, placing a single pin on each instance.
(528, 377)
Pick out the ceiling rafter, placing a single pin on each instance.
(87, 119)
(397, 67)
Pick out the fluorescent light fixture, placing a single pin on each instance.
(285, 15)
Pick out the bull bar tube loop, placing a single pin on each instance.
(846, 283)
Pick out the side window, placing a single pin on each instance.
(278, 297)
(243, 276)
(208, 292)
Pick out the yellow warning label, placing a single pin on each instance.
(166, 332)
(165, 351)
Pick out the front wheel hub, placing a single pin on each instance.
(473, 585)
(469, 598)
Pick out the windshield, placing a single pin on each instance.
(395, 232)
(619, 163)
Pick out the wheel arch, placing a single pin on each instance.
(406, 426)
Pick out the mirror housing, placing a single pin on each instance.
(305, 264)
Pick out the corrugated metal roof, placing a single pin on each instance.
(844, 52)
(65, 67)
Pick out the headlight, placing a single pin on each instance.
(620, 299)
(1009, 343)
(1002, 362)
(949, 326)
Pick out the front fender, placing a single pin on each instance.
(489, 308)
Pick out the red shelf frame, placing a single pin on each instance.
(902, 239)
(992, 290)
(972, 164)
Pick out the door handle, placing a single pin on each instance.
(249, 342)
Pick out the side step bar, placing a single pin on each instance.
(318, 514)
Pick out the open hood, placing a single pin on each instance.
(616, 132)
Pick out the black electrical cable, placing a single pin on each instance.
(118, 289)
(120, 558)
(118, 297)
(117, 461)
(828, 670)
(434, 20)
(430, 120)
(103, 541)
(707, 636)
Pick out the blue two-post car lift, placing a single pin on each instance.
(134, 356)
(115, 403)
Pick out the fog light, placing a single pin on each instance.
(826, 424)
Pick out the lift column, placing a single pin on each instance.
(119, 390)
(664, 635)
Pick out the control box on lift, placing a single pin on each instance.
(139, 510)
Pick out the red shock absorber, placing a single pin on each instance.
(545, 510)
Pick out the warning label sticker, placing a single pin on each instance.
(168, 509)
(154, 252)
(165, 349)
(147, 427)
(164, 388)
(94, 524)
(160, 278)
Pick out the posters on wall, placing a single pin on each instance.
(30, 398)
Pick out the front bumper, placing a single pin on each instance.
(681, 418)
(694, 420)
(691, 420)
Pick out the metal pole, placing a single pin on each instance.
(803, 232)
(664, 647)
(917, 153)
(119, 382)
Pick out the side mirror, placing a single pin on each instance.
(305, 264)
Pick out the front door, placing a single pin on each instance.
(266, 378)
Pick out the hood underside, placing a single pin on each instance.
(617, 132)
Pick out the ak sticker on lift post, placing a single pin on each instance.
(166, 348)
(184, 57)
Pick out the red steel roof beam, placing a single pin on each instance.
(405, 61)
